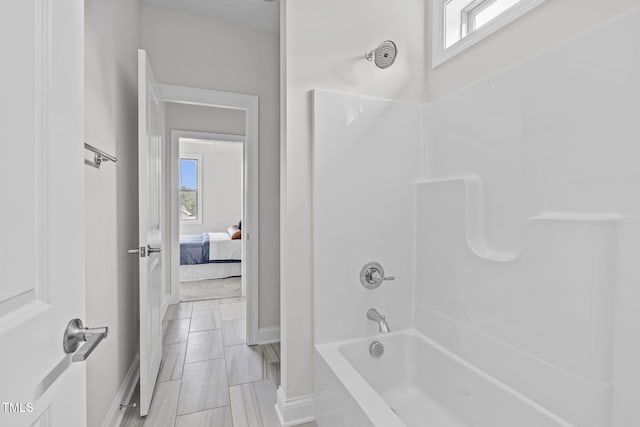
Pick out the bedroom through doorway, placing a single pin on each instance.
(210, 189)
(213, 208)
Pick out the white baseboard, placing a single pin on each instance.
(292, 412)
(115, 414)
(269, 335)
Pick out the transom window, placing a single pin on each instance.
(466, 16)
(458, 24)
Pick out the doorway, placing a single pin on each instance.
(225, 246)
(210, 192)
(206, 343)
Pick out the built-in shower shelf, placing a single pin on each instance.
(474, 215)
(546, 308)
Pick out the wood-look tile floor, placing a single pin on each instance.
(211, 289)
(209, 376)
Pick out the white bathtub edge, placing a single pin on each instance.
(374, 406)
(369, 401)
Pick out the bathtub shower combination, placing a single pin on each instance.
(504, 220)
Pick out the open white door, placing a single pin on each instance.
(151, 128)
(41, 221)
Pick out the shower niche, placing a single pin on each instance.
(540, 319)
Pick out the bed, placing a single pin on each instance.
(209, 256)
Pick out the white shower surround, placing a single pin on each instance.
(506, 212)
(366, 158)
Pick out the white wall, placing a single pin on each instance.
(548, 25)
(323, 43)
(202, 52)
(367, 156)
(554, 134)
(221, 185)
(203, 119)
(111, 38)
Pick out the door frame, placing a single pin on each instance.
(174, 232)
(250, 225)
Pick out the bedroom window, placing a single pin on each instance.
(459, 24)
(190, 203)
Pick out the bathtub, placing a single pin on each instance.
(415, 383)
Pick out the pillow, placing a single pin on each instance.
(234, 232)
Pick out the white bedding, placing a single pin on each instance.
(221, 247)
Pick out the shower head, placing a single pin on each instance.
(384, 55)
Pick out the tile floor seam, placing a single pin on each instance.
(238, 345)
(253, 393)
(248, 382)
(177, 402)
(203, 360)
(175, 418)
(205, 409)
(226, 369)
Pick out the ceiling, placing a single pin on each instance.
(252, 13)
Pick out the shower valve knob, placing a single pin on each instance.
(372, 275)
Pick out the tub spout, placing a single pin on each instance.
(373, 314)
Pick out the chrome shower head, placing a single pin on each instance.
(384, 55)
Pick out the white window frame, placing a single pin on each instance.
(470, 12)
(440, 54)
(199, 192)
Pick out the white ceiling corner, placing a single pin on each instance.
(260, 14)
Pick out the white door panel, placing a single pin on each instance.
(151, 129)
(41, 220)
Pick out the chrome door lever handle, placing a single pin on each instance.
(153, 250)
(76, 333)
(90, 345)
(133, 251)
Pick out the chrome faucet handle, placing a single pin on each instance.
(372, 275)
